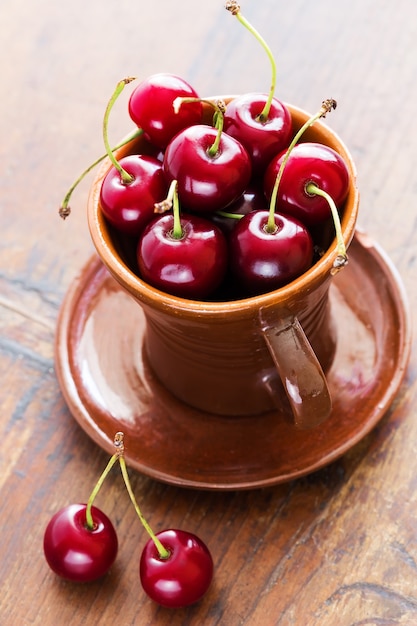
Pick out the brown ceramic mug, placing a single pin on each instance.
(246, 356)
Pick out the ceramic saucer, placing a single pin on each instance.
(108, 385)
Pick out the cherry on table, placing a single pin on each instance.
(76, 552)
(184, 576)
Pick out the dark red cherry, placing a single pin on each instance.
(129, 206)
(181, 579)
(252, 199)
(308, 162)
(151, 107)
(262, 261)
(189, 266)
(263, 139)
(207, 183)
(73, 551)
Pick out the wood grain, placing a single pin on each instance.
(337, 547)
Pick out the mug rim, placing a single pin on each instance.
(151, 296)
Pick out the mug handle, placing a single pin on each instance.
(299, 369)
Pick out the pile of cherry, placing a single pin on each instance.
(202, 204)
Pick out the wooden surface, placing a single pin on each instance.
(336, 547)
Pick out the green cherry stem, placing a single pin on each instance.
(234, 9)
(234, 216)
(326, 107)
(341, 258)
(126, 178)
(172, 202)
(64, 209)
(218, 118)
(88, 515)
(162, 551)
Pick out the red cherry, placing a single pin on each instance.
(308, 163)
(206, 183)
(190, 266)
(129, 206)
(263, 139)
(252, 199)
(181, 579)
(73, 551)
(262, 261)
(151, 107)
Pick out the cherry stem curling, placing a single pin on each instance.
(341, 258)
(326, 107)
(64, 209)
(126, 178)
(234, 9)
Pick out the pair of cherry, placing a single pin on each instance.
(80, 544)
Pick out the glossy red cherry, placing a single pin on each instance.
(73, 551)
(262, 138)
(191, 265)
(129, 206)
(181, 579)
(308, 162)
(151, 107)
(207, 183)
(262, 261)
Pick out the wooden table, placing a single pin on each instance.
(335, 547)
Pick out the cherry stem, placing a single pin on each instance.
(126, 178)
(218, 118)
(341, 258)
(162, 551)
(326, 107)
(172, 202)
(177, 231)
(234, 216)
(88, 515)
(234, 9)
(64, 209)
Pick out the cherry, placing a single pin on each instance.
(308, 162)
(151, 107)
(262, 123)
(264, 258)
(129, 205)
(182, 255)
(184, 576)
(262, 138)
(252, 199)
(212, 169)
(132, 185)
(75, 551)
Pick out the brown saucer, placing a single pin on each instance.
(108, 386)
